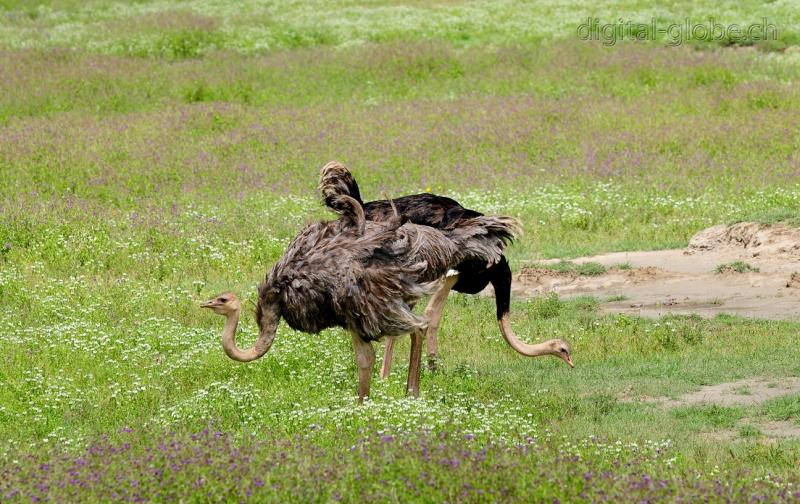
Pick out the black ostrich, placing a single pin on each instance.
(472, 275)
(363, 276)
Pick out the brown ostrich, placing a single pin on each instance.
(470, 276)
(363, 276)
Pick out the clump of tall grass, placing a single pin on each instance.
(735, 267)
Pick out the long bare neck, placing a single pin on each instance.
(266, 335)
(531, 350)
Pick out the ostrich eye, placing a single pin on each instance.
(563, 350)
(224, 300)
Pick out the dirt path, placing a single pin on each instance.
(746, 392)
(655, 283)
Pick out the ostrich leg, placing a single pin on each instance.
(388, 351)
(433, 312)
(365, 361)
(387, 358)
(415, 363)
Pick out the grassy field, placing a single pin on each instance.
(155, 154)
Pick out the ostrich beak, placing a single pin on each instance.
(207, 304)
(568, 359)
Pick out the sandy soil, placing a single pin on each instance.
(773, 430)
(683, 280)
(746, 392)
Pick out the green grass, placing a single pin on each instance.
(152, 158)
(748, 431)
(778, 215)
(784, 408)
(715, 417)
(735, 267)
(149, 28)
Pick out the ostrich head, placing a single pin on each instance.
(224, 304)
(228, 305)
(561, 349)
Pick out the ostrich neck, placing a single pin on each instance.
(266, 335)
(531, 350)
(229, 335)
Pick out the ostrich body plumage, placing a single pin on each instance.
(473, 274)
(365, 275)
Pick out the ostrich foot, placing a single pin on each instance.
(433, 363)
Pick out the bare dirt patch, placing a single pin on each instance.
(745, 392)
(538, 280)
(779, 429)
(683, 281)
(773, 430)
